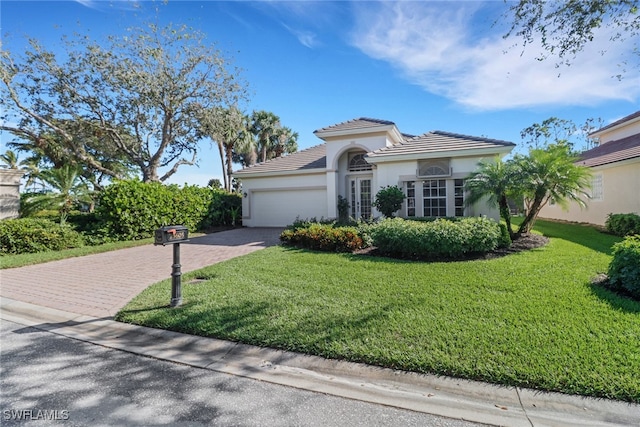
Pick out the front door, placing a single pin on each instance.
(360, 198)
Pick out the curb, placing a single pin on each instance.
(444, 396)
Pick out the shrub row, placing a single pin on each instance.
(437, 239)
(623, 224)
(30, 235)
(624, 270)
(324, 237)
(133, 209)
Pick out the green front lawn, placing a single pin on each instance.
(530, 319)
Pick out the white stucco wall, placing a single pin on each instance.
(276, 201)
(10, 193)
(620, 194)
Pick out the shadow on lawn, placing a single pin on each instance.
(265, 324)
(615, 300)
(581, 234)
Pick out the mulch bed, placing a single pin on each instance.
(523, 243)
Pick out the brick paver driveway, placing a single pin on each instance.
(99, 285)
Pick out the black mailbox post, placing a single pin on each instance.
(174, 235)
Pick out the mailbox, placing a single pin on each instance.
(171, 234)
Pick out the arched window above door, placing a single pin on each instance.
(358, 163)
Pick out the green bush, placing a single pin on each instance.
(624, 270)
(323, 237)
(133, 209)
(505, 237)
(389, 200)
(436, 239)
(30, 235)
(623, 224)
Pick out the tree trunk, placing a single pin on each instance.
(224, 175)
(229, 165)
(530, 218)
(506, 214)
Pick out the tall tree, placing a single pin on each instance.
(229, 128)
(565, 27)
(495, 181)
(264, 126)
(140, 94)
(561, 131)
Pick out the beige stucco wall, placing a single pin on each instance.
(10, 193)
(620, 191)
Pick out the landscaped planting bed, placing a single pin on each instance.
(531, 319)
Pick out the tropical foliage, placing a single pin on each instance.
(493, 180)
(66, 192)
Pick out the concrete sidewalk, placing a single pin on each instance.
(78, 297)
(443, 396)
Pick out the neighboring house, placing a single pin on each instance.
(615, 167)
(357, 159)
(10, 193)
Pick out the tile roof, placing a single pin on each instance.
(438, 141)
(612, 151)
(617, 122)
(308, 159)
(355, 124)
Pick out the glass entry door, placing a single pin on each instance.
(360, 198)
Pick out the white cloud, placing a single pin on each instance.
(306, 38)
(436, 46)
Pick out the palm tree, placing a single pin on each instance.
(493, 180)
(235, 134)
(550, 174)
(68, 190)
(10, 159)
(229, 128)
(264, 125)
(285, 140)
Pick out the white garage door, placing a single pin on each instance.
(280, 208)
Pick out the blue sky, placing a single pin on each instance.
(423, 65)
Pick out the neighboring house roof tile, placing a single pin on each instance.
(617, 122)
(310, 158)
(438, 141)
(355, 124)
(612, 151)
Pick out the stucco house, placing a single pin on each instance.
(356, 159)
(615, 167)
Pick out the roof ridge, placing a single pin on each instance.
(474, 138)
(352, 121)
(282, 158)
(617, 122)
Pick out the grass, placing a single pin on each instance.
(21, 260)
(530, 319)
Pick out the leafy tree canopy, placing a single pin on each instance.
(565, 27)
(140, 95)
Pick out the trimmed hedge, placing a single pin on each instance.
(440, 238)
(323, 237)
(624, 270)
(623, 224)
(133, 209)
(31, 235)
